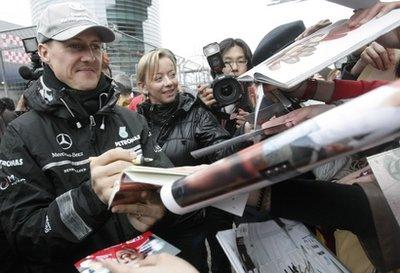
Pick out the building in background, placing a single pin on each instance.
(137, 27)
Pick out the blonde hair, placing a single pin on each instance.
(148, 64)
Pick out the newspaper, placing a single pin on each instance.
(385, 167)
(362, 123)
(269, 247)
(305, 57)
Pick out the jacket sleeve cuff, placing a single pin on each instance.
(82, 211)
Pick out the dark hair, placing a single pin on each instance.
(228, 43)
(6, 104)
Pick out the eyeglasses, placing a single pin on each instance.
(239, 63)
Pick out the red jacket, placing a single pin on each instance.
(345, 89)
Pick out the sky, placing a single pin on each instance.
(188, 25)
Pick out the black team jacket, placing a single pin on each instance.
(49, 214)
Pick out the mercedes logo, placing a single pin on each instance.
(64, 141)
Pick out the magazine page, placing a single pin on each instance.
(359, 124)
(385, 169)
(287, 247)
(355, 4)
(136, 179)
(129, 252)
(313, 53)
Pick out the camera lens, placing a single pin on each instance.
(226, 90)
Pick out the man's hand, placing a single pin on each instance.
(164, 263)
(205, 93)
(279, 124)
(106, 169)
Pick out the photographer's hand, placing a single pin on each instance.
(205, 93)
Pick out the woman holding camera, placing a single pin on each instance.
(180, 124)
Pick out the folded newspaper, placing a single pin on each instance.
(270, 247)
(313, 53)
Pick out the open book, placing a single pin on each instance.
(136, 179)
(269, 247)
(313, 53)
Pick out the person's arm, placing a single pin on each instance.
(295, 117)
(209, 132)
(378, 10)
(329, 91)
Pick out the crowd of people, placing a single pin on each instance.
(80, 128)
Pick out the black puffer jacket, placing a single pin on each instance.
(49, 213)
(188, 127)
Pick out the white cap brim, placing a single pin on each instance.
(106, 35)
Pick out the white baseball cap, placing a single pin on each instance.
(64, 21)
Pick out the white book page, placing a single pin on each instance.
(306, 57)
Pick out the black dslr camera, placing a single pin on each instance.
(36, 69)
(226, 89)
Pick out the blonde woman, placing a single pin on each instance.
(180, 124)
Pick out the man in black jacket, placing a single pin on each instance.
(59, 161)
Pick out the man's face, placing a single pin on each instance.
(77, 61)
(235, 61)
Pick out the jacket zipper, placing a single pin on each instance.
(92, 131)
